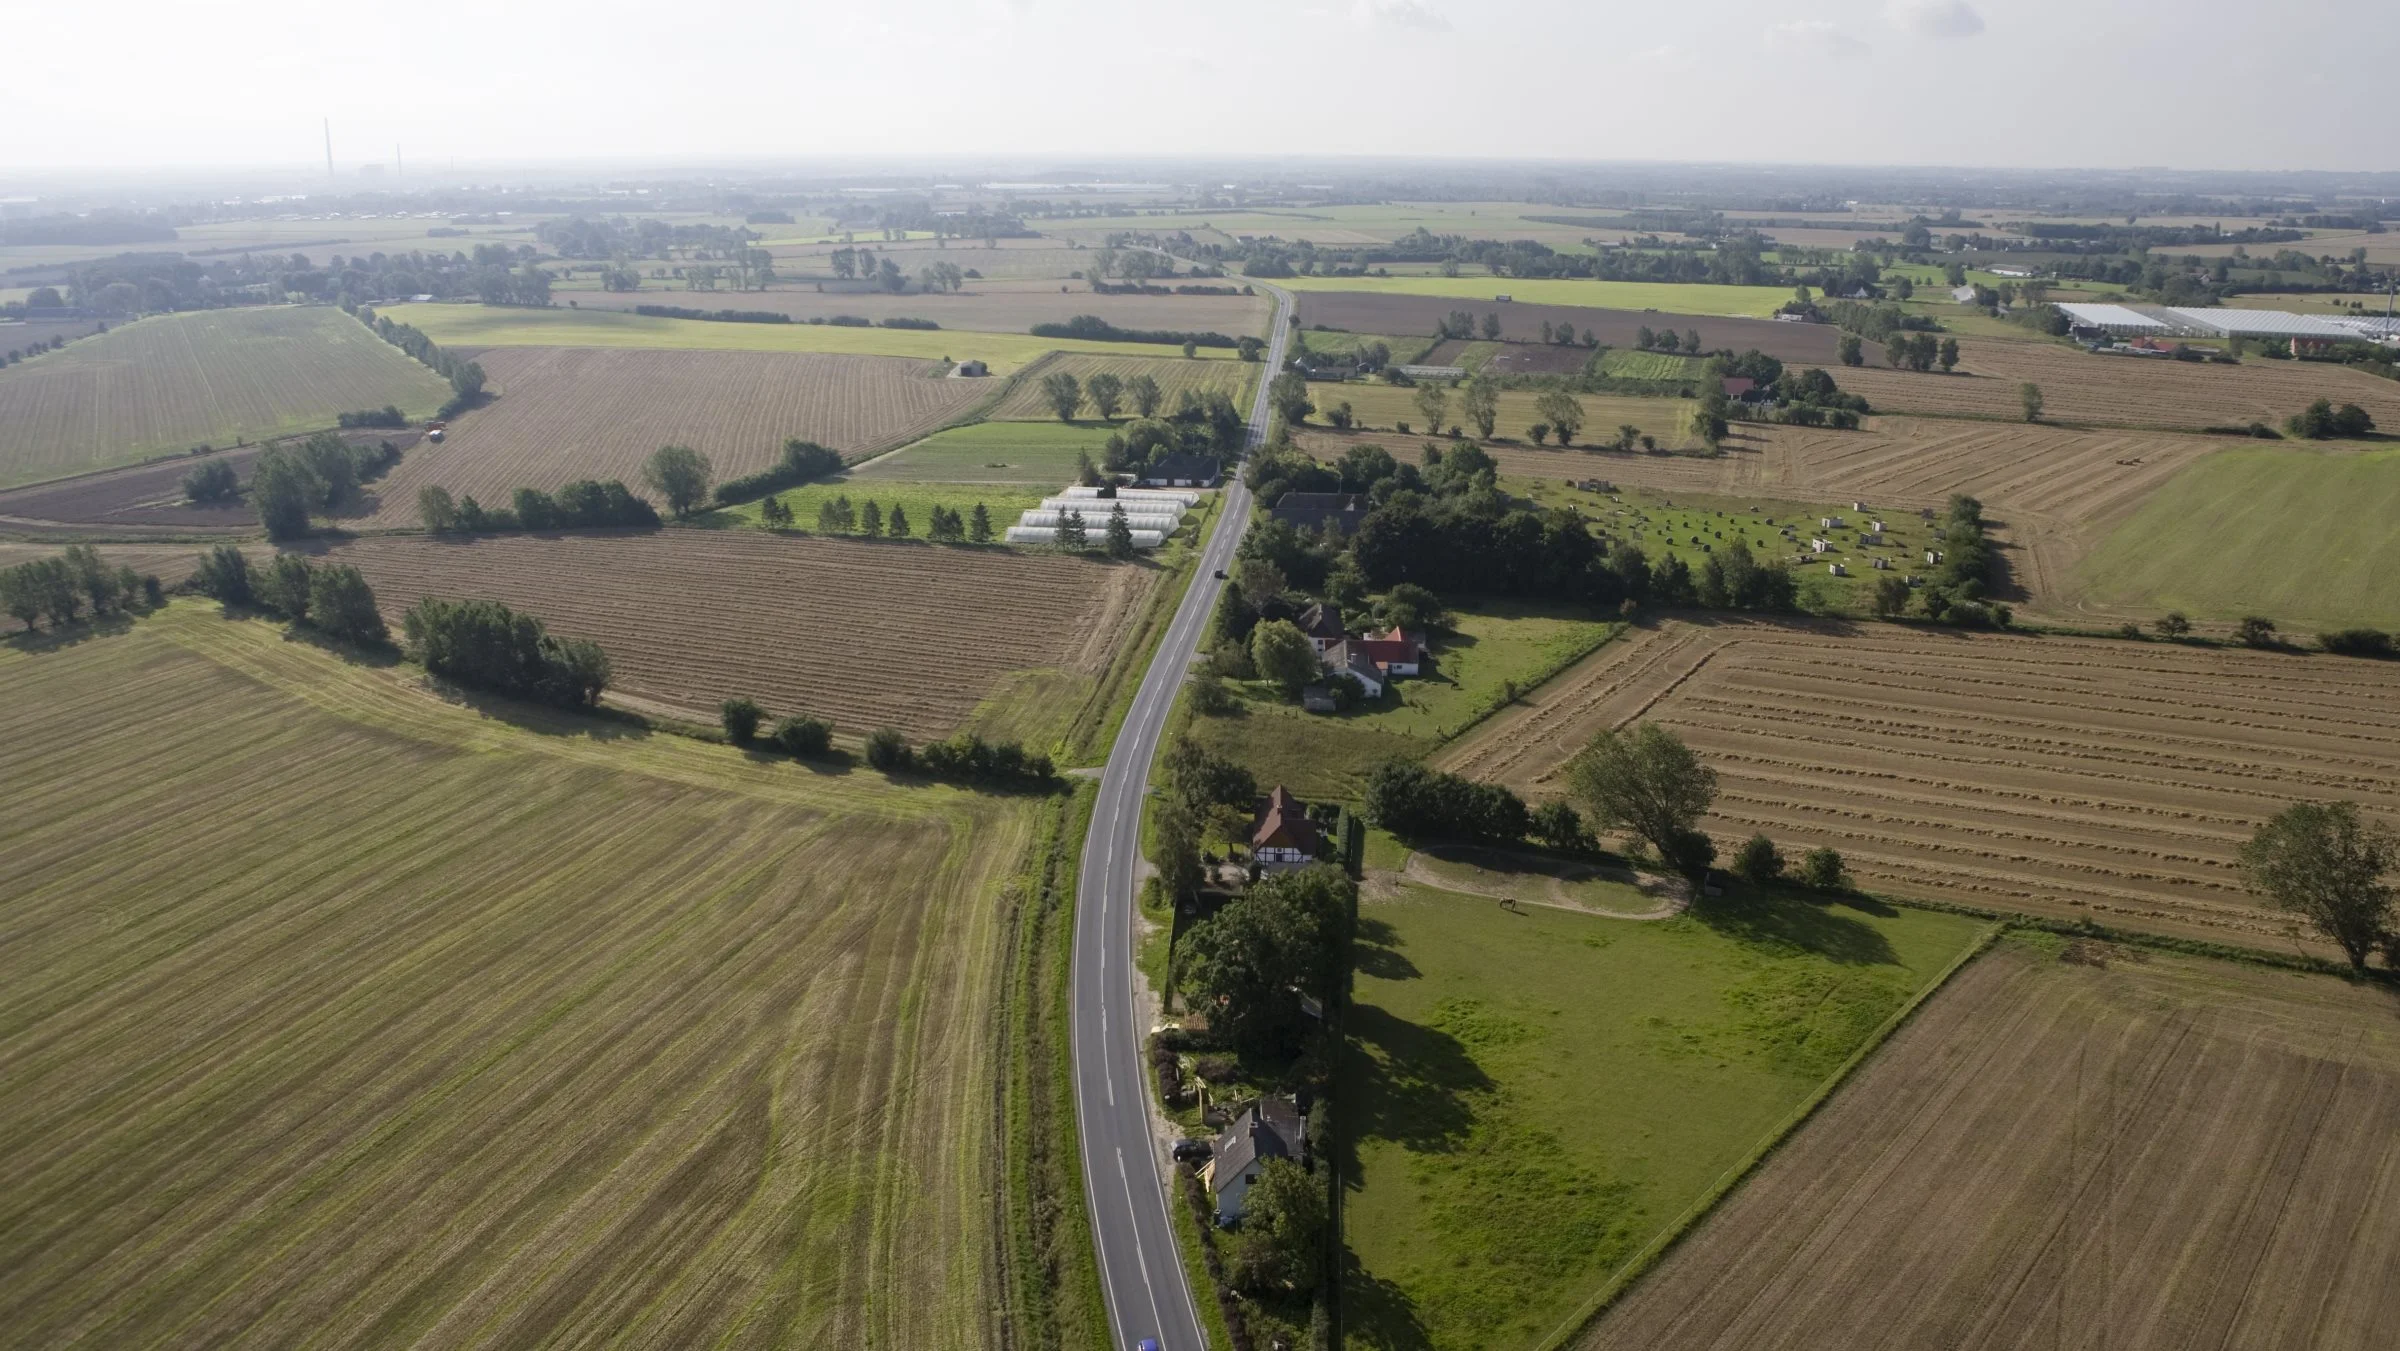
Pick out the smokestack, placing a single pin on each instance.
(399, 167)
(329, 147)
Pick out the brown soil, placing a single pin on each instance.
(565, 413)
(2055, 776)
(1403, 315)
(911, 636)
(2071, 1151)
(149, 497)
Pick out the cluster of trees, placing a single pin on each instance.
(2322, 421)
(291, 482)
(465, 377)
(1920, 352)
(1874, 323)
(1414, 802)
(333, 598)
(149, 283)
(837, 516)
(641, 237)
(711, 316)
(58, 589)
(1201, 424)
(1665, 340)
(1206, 801)
(962, 757)
(486, 644)
(1284, 939)
(33, 349)
(585, 504)
(801, 462)
(1954, 590)
(798, 736)
(215, 481)
(2334, 868)
(1095, 328)
(388, 416)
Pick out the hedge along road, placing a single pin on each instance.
(1124, 1184)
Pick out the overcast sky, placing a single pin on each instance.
(2036, 83)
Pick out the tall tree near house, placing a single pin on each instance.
(1283, 654)
(1289, 395)
(2324, 862)
(1646, 781)
(1064, 393)
(679, 474)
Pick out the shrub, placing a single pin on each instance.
(888, 750)
(486, 644)
(212, 482)
(2255, 631)
(1412, 801)
(1822, 869)
(2173, 625)
(225, 575)
(802, 462)
(2358, 643)
(341, 604)
(806, 738)
(1759, 860)
(741, 718)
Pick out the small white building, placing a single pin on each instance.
(1820, 546)
(1837, 569)
(1268, 1129)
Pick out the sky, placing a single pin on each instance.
(2190, 84)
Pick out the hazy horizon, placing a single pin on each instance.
(2029, 84)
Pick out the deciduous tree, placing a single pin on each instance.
(679, 474)
(1646, 781)
(2324, 862)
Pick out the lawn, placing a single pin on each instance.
(2301, 536)
(166, 384)
(1625, 363)
(1535, 1095)
(1039, 453)
(338, 1010)
(1003, 500)
(1488, 648)
(1692, 526)
(470, 326)
(1666, 297)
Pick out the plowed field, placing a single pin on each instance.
(1173, 374)
(567, 413)
(2120, 391)
(335, 1013)
(2148, 1155)
(2050, 775)
(912, 636)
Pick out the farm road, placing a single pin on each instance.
(1141, 1272)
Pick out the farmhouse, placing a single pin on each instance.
(1181, 471)
(1323, 626)
(1349, 657)
(1395, 653)
(1284, 837)
(1308, 511)
(1268, 1129)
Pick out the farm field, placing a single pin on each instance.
(2302, 537)
(1667, 297)
(171, 563)
(985, 306)
(2071, 1146)
(169, 383)
(1014, 260)
(1042, 453)
(1537, 1094)
(1381, 407)
(1174, 374)
(1490, 644)
(1515, 459)
(1001, 500)
(567, 413)
(2079, 387)
(908, 635)
(468, 327)
(2054, 776)
(471, 1029)
(1521, 321)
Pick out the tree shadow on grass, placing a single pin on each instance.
(1771, 919)
(1409, 1083)
(1376, 952)
(73, 634)
(1377, 1313)
(594, 724)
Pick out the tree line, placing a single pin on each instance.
(290, 483)
(801, 462)
(1094, 328)
(58, 589)
(332, 598)
(585, 504)
(485, 644)
(465, 377)
(839, 516)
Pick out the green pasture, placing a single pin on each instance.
(1665, 297)
(1624, 363)
(1003, 500)
(1535, 1094)
(2301, 536)
(1042, 454)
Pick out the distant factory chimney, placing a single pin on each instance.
(329, 147)
(399, 167)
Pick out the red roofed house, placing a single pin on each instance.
(1397, 652)
(1284, 836)
(1738, 385)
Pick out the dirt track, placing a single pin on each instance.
(2053, 776)
(2145, 1156)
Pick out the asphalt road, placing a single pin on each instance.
(1125, 1176)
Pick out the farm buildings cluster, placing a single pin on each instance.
(2304, 333)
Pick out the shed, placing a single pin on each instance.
(972, 367)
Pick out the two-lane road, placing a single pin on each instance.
(1124, 1177)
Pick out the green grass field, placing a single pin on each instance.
(337, 1009)
(1627, 364)
(2303, 537)
(1174, 375)
(1038, 453)
(1666, 297)
(1002, 500)
(469, 326)
(1536, 1095)
(1380, 407)
(166, 384)
(1318, 755)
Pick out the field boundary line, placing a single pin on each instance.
(1612, 630)
(1641, 1262)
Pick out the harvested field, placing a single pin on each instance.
(1173, 374)
(2078, 386)
(911, 636)
(475, 1030)
(567, 413)
(2071, 1146)
(991, 307)
(2054, 776)
(1521, 321)
(174, 381)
